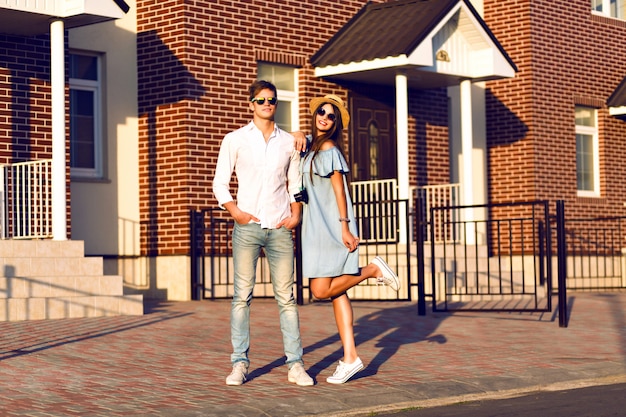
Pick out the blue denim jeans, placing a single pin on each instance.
(248, 239)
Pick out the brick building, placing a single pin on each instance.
(507, 100)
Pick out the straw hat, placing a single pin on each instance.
(333, 99)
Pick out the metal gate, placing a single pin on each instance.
(493, 257)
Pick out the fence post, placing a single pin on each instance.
(196, 279)
(419, 221)
(561, 261)
(299, 280)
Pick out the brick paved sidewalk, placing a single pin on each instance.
(173, 360)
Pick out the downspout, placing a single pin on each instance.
(57, 81)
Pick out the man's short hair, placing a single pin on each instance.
(259, 85)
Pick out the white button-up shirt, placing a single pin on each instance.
(268, 174)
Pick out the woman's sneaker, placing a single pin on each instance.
(345, 371)
(389, 277)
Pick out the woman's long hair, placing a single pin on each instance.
(335, 134)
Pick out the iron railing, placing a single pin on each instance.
(443, 195)
(596, 253)
(492, 257)
(26, 206)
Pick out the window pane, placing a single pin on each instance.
(596, 5)
(84, 67)
(584, 162)
(373, 142)
(283, 115)
(585, 117)
(619, 8)
(82, 129)
(280, 75)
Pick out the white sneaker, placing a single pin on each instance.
(239, 375)
(389, 277)
(298, 375)
(345, 371)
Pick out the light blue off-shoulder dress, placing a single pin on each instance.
(323, 251)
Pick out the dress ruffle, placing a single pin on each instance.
(328, 161)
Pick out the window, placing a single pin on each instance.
(286, 81)
(611, 8)
(373, 145)
(587, 159)
(85, 116)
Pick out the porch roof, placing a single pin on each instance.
(435, 42)
(617, 100)
(27, 18)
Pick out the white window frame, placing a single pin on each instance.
(94, 86)
(593, 132)
(603, 8)
(288, 97)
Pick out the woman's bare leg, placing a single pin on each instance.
(344, 319)
(330, 287)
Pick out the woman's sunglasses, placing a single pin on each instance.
(331, 116)
(261, 100)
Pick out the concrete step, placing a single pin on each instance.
(19, 309)
(25, 266)
(60, 286)
(42, 248)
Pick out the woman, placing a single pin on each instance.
(329, 234)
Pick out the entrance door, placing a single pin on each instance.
(373, 147)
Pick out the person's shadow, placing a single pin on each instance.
(395, 326)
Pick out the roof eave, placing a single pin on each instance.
(35, 20)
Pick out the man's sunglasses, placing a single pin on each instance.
(261, 100)
(331, 116)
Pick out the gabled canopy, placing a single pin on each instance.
(436, 42)
(28, 18)
(617, 100)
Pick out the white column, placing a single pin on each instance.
(467, 147)
(57, 81)
(402, 148)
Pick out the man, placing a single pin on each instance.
(266, 163)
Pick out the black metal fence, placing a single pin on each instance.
(211, 253)
(595, 253)
(499, 257)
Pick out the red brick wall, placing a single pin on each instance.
(429, 152)
(566, 56)
(196, 61)
(25, 106)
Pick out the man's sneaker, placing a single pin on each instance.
(389, 277)
(239, 375)
(298, 375)
(345, 371)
